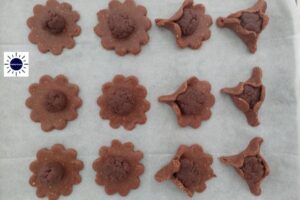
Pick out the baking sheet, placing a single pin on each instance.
(161, 67)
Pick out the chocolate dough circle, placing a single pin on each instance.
(191, 102)
(121, 25)
(121, 101)
(188, 22)
(116, 169)
(251, 95)
(55, 101)
(51, 174)
(53, 22)
(253, 169)
(188, 173)
(251, 21)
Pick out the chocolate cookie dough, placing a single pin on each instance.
(189, 24)
(247, 24)
(248, 96)
(118, 168)
(53, 101)
(53, 27)
(250, 165)
(123, 27)
(123, 102)
(188, 170)
(55, 172)
(191, 102)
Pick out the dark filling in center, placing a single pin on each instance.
(188, 22)
(251, 22)
(51, 174)
(189, 173)
(53, 22)
(116, 169)
(55, 101)
(121, 101)
(253, 168)
(251, 95)
(191, 102)
(121, 25)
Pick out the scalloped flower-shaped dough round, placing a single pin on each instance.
(123, 102)
(55, 171)
(53, 101)
(118, 168)
(53, 27)
(123, 27)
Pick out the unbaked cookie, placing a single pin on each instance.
(247, 24)
(53, 101)
(248, 96)
(55, 172)
(188, 170)
(118, 168)
(250, 165)
(191, 102)
(53, 27)
(123, 27)
(123, 102)
(189, 24)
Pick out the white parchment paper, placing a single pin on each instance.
(161, 67)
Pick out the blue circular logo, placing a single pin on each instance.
(16, 64)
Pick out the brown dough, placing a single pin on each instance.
(51, 173)
(189, 24)
(189, 169)
(248, 96)
(123, 27)
(251, 22)
(53, 101)
(118, 168)
(123, 102)
(55, 172)
(251, 95)
(53, 27)
(250, 165)
(191, 102)
(53, 22)
(247, 24)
